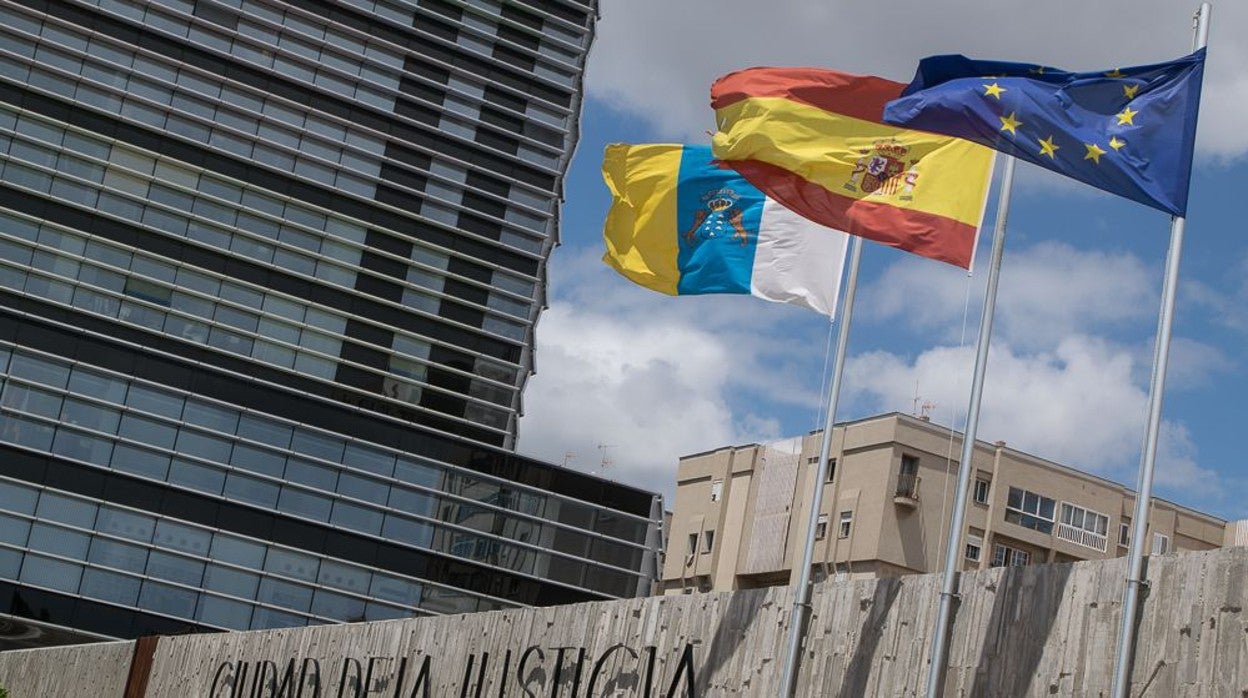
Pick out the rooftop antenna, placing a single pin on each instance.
(925, 410)
(568, 456)
(921, 408)
(606, 462)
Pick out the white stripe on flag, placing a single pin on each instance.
(797, 261)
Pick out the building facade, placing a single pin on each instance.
(269, 274)
(740, 514)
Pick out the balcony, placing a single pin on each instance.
(907, 493)
(1079, 536)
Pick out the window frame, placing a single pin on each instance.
(976, 542)
(845, 525)
(1032, 520)
(985, 486)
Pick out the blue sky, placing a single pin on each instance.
(640, 379)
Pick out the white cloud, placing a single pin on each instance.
(1047, 291)
(655, 378)
(1078, 405)
(657, 59)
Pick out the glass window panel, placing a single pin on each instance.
(271, 618)
(148, 317)
(197, 281)
(447, 601)
(369, 459)
(203, 446)
(32, 400)
(196, 476)
(90, 416)
(1046, 508)
(331, 323)
(237, 551)
(163, 598)
(258, 460)
(304, 503)
(13, 529)
(412, 502)
(58, 541)
(26, 432)
(294, 262)
(231, 581)
(126, 524)
(188, 539)
(337, 606)
(284, 594)
(19, 498)
(308, 473)
(155, 401)
(246, 297)
(229, 341)
(175, 568)
(110, 586)
(315, 365)
(10, 563)
(418, 474)
(316, 341)
(251, 490)
(85, 382)
(286, 308)
(148, 431)
(209, 235)
(407, 531)
(123, 556)
(278, 332)
(53, 574)
(264, 430)
(214, 610)
(74, 512)
(38, 370)
(52, 290)
(214, 417)
(377, 611)
(291, 564)
(343, 576)
(357, 518)
(364, 488)
(186, 329)
(76, 444)
(273, 354)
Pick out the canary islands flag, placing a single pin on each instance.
(1128, 131)
(682, 225)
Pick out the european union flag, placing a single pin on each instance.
(1129, 131)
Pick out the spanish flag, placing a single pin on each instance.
(814, 140)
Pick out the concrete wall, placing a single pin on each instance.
(1028, 631)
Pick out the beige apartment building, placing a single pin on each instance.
(740, 512)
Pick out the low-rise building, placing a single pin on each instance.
(740, 512)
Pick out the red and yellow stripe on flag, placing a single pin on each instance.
(813, 140)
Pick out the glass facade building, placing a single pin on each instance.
(269, 274)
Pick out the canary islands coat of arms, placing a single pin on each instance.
(720, 216)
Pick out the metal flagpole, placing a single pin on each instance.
(940, 636)
(1143, 498)
(801, 598)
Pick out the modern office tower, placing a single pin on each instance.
(740, 514)
(269, 273)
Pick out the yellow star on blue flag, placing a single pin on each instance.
(1128, 131)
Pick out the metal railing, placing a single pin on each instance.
(908, 486)
(1079, 536)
